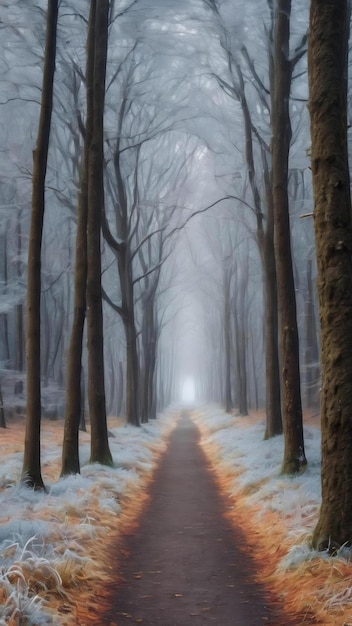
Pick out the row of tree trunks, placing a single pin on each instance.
(88, 268)
(265, 241)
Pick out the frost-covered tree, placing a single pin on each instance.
(31, 471)
(327, 64)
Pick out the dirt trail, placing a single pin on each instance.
(185, 565)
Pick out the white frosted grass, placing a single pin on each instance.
(36, 532)
(256, 468)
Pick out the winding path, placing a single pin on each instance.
(185, 565)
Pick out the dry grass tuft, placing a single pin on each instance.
(317, 590)
(34, 590)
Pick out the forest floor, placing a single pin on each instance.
(79, 554)
(160, 567)
(185, 563)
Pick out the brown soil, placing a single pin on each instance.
(185, 565)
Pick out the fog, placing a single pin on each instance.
(178, 76)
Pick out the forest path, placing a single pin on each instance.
(185, 564)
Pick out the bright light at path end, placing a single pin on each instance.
(188, 391)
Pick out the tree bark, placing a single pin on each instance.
(19, 313)
(265, 241)
(327, 69)
(120, 388)
(273, 425)
(2, 409)
(100, 451)
(311, 349)
(294, 455)
(73, 408)
(227, 337)
(241, 279)
(4, 316)
(149, 343)
(132, 371)
(31, 470)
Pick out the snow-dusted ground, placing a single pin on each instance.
(50, 544)
(257, 470)
(46, 540)
(249, 471)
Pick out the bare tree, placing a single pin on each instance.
(234, 85)
(73, 409)
(100, 451)
(31, 470)
(327, 69)
(294, 456)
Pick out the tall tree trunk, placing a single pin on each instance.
(241, 278)
(82, 421)
(19, 313)
(148, 335)
(31, 470)
(312, 349)
(153, 346)
(120, 387)
(294, 455)
(327, 70)
(7, 354)
(254, 369)
(227, 338)
(73, 408)
(2, 409)
(132, 371)
(242, 352)
(273, 425)
(265, 241)
(128, 318)
(100, 451)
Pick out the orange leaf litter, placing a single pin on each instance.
(83, 589)
(315, 592)
(319, 589)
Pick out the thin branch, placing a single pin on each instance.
(114, 306)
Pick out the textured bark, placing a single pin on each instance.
(132, 371)
(5, 316)
(19, 313)
(294, 456)
(327, 65)
(82, 421)
(2, 410)
(120, 388)
(312, 374)
(122, 251)
(31, 470)
(241, 279)
(149, 342)
(100, 451)
(265, 240)
(227, 338)
(132, 365)
(273, 425)
(73, 408)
